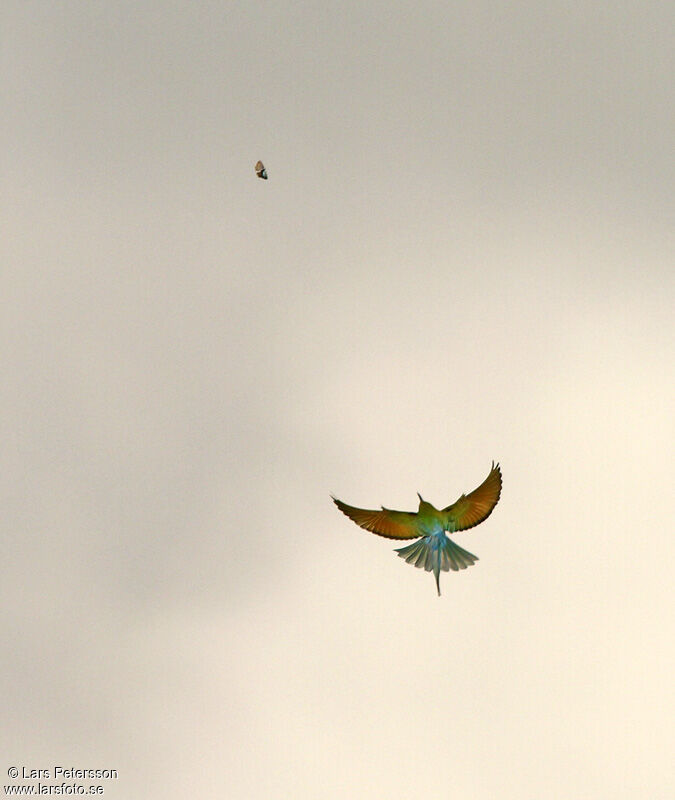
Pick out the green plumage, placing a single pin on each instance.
(434, 551)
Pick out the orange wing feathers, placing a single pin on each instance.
(391, 524)
(471, 509)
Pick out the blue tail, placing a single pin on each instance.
(437, 553)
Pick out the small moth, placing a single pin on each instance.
(260, 170)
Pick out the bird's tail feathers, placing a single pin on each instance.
(437, 554)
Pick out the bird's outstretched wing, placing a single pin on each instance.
(391, 524)
(471, 509)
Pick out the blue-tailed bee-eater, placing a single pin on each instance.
(433, 551)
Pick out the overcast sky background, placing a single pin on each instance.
(464, 252)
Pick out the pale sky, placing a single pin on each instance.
(463, 253)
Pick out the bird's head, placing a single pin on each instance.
(425, 507)
(423, 503)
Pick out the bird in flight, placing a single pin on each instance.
(433, 551)
(260, 170)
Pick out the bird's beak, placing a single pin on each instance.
(420, 497)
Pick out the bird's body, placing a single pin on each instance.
(430, 519)
(433, 551)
